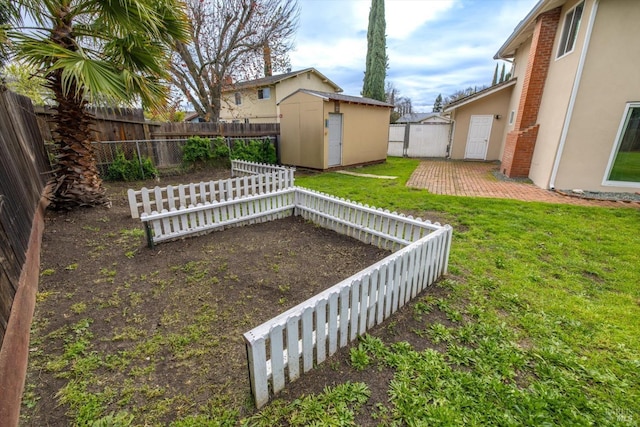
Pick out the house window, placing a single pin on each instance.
(570, 30)
(264, 93)
(624, 164)
(512, 116)
(238, 98)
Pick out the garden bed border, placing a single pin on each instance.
(247, 178)
(305, 335)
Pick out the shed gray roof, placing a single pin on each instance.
(271, 80)
(342, 98)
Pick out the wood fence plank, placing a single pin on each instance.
(354, 314)
(321, 331)
(293, 350)
(344, 316)
(257, 355)
(277, 361)
(307, 339)
(364, 305)
(333, 323)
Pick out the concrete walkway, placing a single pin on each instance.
(476, 179)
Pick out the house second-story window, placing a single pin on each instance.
(264, 93)
(570, 30)
(238, 98)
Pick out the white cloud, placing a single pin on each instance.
(434, 46)
(402, 17)
(347, 52)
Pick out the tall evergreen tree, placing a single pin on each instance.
(437, 105)
(502, 74)
(376, 64)
(495, 76)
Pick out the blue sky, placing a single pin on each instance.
(434, 46)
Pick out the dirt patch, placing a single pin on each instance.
(158, 333)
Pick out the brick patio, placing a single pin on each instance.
(476, 179)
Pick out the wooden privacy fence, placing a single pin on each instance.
(258, 179)
(24, 168)
(121, 124)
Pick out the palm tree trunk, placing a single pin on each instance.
(76, 181)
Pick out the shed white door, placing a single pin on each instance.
(335, 139)
(478, 138)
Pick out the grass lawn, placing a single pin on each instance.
(543, 316)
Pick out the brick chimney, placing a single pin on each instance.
(266, 53)
(521, 141)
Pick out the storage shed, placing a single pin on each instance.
(321, 130)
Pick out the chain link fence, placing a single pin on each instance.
(165, 154)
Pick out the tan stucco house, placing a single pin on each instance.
(570, 116)
(256, 101)
(324, 130)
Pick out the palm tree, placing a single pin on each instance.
(8, 14)
(95, 52)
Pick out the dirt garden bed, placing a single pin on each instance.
(158, 333)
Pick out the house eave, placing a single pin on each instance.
(524, 29)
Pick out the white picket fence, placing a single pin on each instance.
(255, 178)
(242, 167)
(291, 343)
(370, 225)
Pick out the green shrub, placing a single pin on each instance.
(254, 151)
(130, 170)
(197, 150)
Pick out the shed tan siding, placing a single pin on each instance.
(304, 139)
(302, 132)
(365, 136)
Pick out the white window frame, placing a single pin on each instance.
(569, 20)
(614, 151)
(262, 90)
(512, 117)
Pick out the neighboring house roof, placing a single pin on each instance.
(525, 28)
(342, 98)
(418, 117)
(478, 95)
(190, 116)
(272, 80)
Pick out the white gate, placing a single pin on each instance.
(421, 140)
(335, 139)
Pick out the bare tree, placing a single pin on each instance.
(403, 105)
(232, 40)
